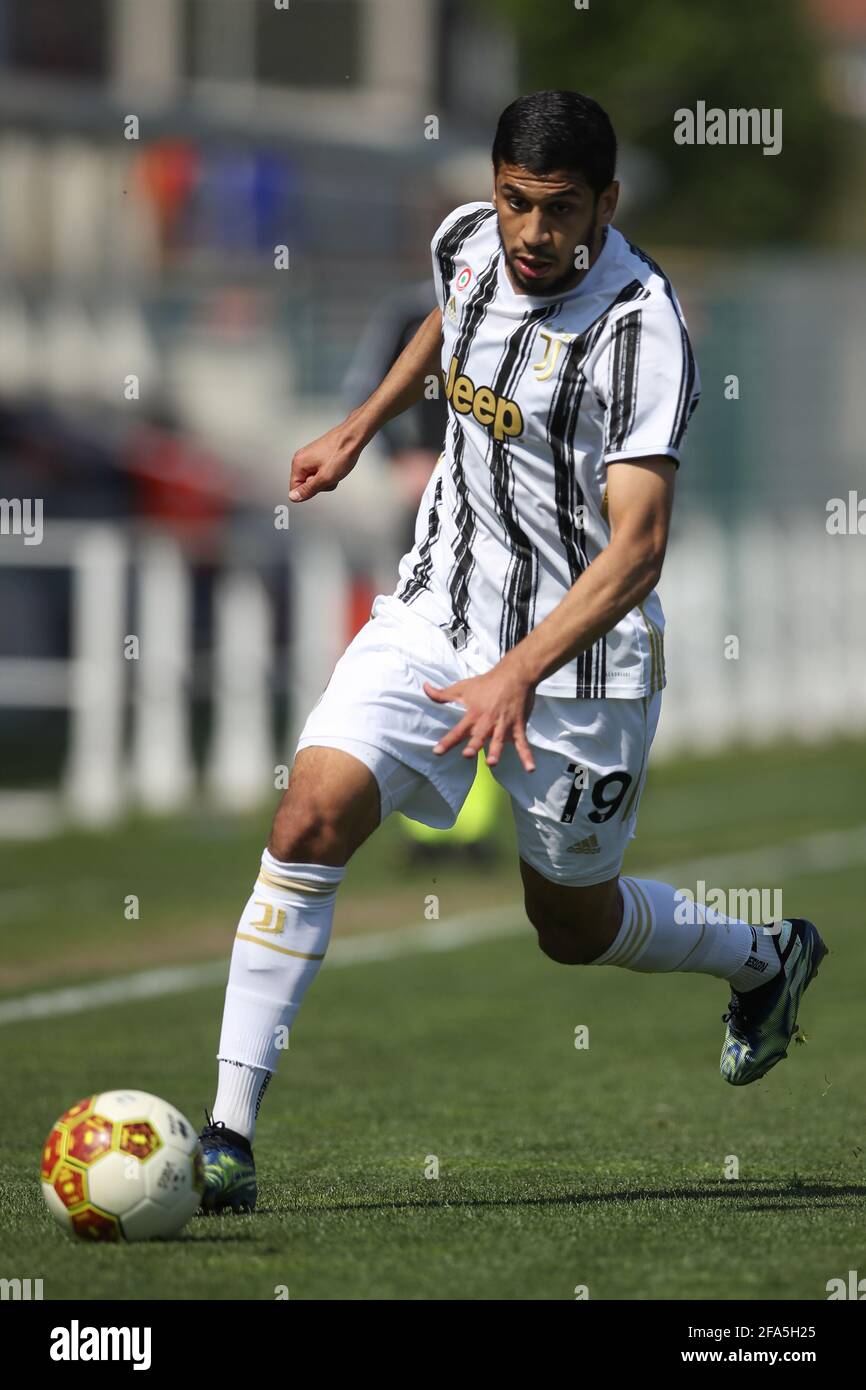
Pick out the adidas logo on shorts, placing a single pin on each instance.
(588, 846)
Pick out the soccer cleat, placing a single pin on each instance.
(229, 1169)
(761, 1022)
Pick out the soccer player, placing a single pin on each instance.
(524, 620)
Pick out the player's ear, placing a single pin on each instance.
(607, 201)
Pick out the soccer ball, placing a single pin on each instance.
(123, 1165)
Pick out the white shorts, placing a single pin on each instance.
(574, 814)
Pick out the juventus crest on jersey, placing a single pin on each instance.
(543, 393)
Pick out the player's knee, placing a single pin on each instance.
(307, 832)
(565, 945)
(577, 938)
(560, 941)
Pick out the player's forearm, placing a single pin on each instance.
(405, 383)
(616, 582)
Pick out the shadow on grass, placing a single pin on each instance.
(762, 1194)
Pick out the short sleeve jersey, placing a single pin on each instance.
(543, 393)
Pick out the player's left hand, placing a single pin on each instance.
(498, 705)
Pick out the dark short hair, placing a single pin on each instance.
(546, 131)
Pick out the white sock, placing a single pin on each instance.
(280, 943)
(239, 1095)
(658, 935)
(764, 960)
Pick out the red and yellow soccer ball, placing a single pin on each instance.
(123, 1165)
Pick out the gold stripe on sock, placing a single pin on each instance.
(694, 948)
(271, 881)
(645, 898)
(645, 925)
(633, 930)
(283, 950)
(638, 928)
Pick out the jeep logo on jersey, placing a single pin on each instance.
(496, 413)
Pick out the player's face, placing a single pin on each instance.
(544, 219)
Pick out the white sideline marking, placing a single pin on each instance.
(352, 950)
(835, 849)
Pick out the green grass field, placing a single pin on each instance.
(601, 1167)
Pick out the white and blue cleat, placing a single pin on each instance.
(761, 1022)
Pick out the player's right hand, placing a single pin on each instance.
(320, 466)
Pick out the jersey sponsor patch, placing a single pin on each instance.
(501, 415)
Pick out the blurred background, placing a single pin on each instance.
(215, 219)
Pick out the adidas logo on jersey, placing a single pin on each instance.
(588, 846)
(497, 413)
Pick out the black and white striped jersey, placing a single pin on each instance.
(543, 393)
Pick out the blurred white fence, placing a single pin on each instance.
(766, 638)
(148, 669)
(766, 634)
